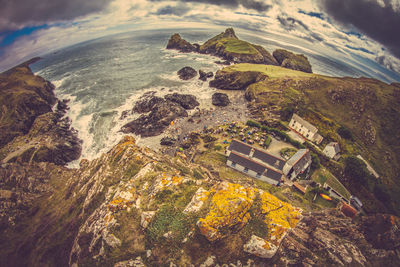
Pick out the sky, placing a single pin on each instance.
(369, 28)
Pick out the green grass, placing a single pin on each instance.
(272, 71)
(238, 46)
(323, 175)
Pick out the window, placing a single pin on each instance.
(246, 169)
(258, 175)
(233, 164)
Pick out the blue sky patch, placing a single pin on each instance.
(8, 37)
(359, 35)
(312, 14)
(360, 49)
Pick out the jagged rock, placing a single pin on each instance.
(146, 103)
(167, 141)
(226, 62)
(292, 61)
(162, 112)
(204, 75)
(210, 261)
(228, 212)
(187, 73)
(176, 42)
(197, 201)
(145, 218)
(186, 101)
(259, 247)
(381, 230)
(22, 102)
(157, 121)
(50, 139)
(236, 80)
(220, 99)
(131, 263)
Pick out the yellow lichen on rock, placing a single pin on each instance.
(229, 210)
(280, 217)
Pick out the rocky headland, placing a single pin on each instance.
(30, 129)
(231, 49)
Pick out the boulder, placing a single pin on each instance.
(259, 247)
(146, 103)
(167, 141)
(157, 121)
(176, 42)
(225, 62)
(220, 99)
(229, 211)
(186, 101)
(204, 75)
(187, 73)
(236, 80)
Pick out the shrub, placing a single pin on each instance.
(267, 142)
(345, 133)
(356, 169)
(253, 124)
(316, 163)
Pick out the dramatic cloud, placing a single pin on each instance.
(173, 10)
(15, 14)
(249, 4)
(379, 20)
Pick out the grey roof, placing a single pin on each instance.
(305, 123)
(335, 146)
(255, 166)
(240, 147)
(301, 157)
(271, 160)
(246, 162)
(274, 175)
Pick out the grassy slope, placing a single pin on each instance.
(358, 101)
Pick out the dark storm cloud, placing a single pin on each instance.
(15, 14)
(249, 4)
(173, 10)
(379, 23)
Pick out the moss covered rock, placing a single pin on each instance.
(292, 61)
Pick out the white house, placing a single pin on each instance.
(332, 150)
(297, 164)
(305, 128)
(255, 162)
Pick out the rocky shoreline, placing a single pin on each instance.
(34, 132)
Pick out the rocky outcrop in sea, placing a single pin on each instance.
(162, 111)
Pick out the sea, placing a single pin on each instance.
(106, 76)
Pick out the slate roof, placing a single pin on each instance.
(259, 154)
(255, 166)
(274, 175)
(271, 160)
(305, 123)
(301, 158)
(240, 147)
(246, 162)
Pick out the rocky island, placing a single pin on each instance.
(134, 206)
